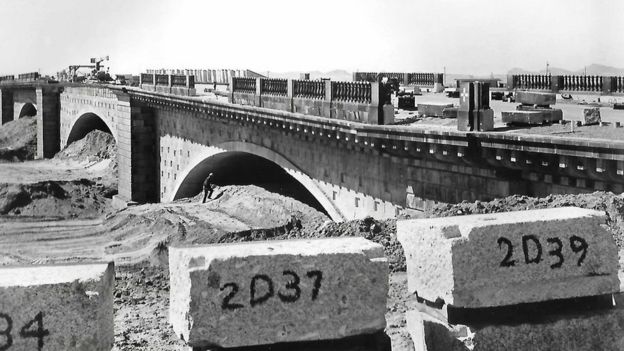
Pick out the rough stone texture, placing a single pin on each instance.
(532, 117)
(463, 260)
(596, 330)
(535, 98)
(591, 116)
(75, 303)
(432, 109)
(450, 112)
(431, 334)
(350, 300)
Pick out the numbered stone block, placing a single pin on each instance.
(432, 109)
(58, 307)
(535, 98)
(510, 258)
(532, 117)
(277, 291)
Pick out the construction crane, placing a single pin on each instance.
(97, 61)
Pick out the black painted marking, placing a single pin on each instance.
(257, 300)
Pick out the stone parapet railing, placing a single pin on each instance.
(7, 78)
(356, 101)
(359, 92)
(28, 76)
(567, 83)
(309, 89)
(405, 78)
(274, 86)
(244, 85)
(168, 83)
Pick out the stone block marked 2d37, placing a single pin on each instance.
(260, 293)
(57, 307)
(509, 258)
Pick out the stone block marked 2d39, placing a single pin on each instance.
(509, 258)
(260, 293)
(57, 307)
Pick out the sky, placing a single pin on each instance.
(461, 36)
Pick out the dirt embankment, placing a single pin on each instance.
(18, 140)
(96, 146)
(61, 198)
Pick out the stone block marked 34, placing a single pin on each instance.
(277, 291)
(57, 307)
(509, 258)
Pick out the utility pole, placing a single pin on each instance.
(547, 65)
(444, 77)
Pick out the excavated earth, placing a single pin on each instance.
(59, 210)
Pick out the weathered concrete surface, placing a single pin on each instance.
(432, 109)
(59, 307)
(532, 117)
(277, 291)
(431, 334)
(596, 330)
(535, 98)
(510, 258)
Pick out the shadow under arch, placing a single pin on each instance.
(86, 123)
(227, 160)
(28, 110)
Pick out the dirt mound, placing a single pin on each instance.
(611, 204)
(18, 140)
(83, 198)
(95, 146)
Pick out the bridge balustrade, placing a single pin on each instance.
(7, 78)
(244, 85)
(357, 101)
(162, 79)
(580, 83)
(28, 76)
(180, 81)
(619, 84)
(274, 86)
(147, 78)
(351, 91)
(426, 79)
(309, 89)
(419, 79)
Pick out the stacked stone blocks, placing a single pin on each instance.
(514, 278)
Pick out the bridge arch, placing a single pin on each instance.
(27, 110)
(85, 123)
(190, 179)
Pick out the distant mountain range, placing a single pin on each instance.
(591, 70)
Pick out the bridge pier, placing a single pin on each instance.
(136, 152)
(6, 103)
(48, 121)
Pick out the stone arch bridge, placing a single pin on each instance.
(167, 144)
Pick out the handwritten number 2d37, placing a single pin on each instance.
(533, 251)
(289, 293)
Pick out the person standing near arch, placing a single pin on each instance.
(207, 186)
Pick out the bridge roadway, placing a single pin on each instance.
(167, 145)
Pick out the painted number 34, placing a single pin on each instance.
(533, 250)
(32, 329)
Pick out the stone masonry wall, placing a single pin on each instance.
(359, 181)
(78, 101)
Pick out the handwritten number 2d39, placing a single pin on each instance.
(32, 329)
(533, 251)
(289, 293)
